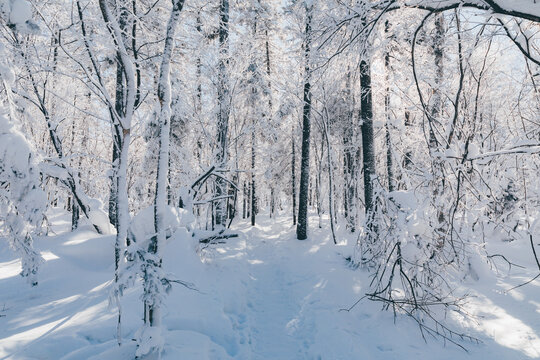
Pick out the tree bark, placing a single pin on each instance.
(244, 203)
(253, 196)
(160, 200)
(318, 179)
(124, 121)
(330, 179)
(224, 108)
(301, 228)
(293, 176)
(407, 158)
(368, 146)
(349, 164)
(434, 119)
(388, 140)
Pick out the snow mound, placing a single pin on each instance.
(141, 228)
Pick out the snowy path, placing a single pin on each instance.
(282, 289)
(272, 304)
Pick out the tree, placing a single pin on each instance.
(368, 146)
(302, 227)
(150, 341)
(223, 112)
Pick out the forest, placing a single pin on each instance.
(269, 179)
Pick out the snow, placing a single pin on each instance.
(22, 201)
(14, 149)
(141, 228)
(263, 295)
(21, 11)
(524, 6)
(99, 218)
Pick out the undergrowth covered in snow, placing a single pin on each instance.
(262, 295)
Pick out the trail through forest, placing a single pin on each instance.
(262, 295)
(274, 297)
(384, 152)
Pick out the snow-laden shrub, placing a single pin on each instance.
(141, 228)
(413, 256)
(149, 338)
(22, 202)
(141, 263)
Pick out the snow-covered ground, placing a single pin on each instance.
(263, 295)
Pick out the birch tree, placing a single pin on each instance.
(150, 341)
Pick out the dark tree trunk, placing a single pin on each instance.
(113, 193)
(366, 116)
(244, 198)
(293, 177)
(170, 200)
(74, 216)
(253, 196)
(407, 158)
(74, 207)
(301, 229)
(388, 140)
(248, 214)
(199, 68)
(272, 202)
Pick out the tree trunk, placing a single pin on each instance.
(349, 165)
(388, 140)
(293, 177)
(160, 200)
(272, 202)
(434, 118)
(124, 121)
(318, 179)
(301, 229)
(75, 214)
(248, 214)
(368, 150)
(436, 106)
(366, 115)
(224, 105)
(407, 158)
(116, 146)
(244, 204)
(253, 197)
(330, 179)
(119, 105)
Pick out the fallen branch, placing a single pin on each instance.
(212, 239)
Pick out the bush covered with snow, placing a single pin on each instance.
(22, 202)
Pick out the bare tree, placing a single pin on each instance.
(301, 229)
